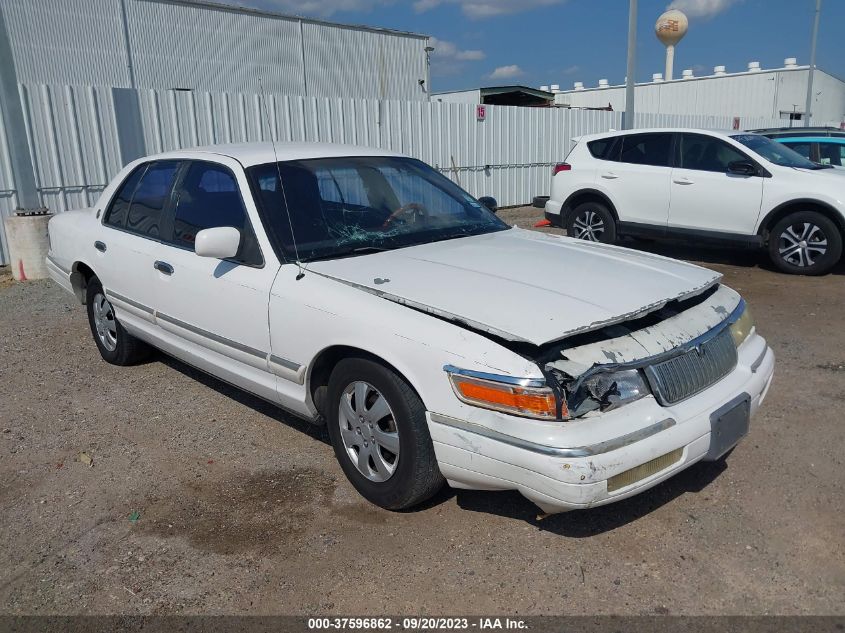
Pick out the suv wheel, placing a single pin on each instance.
(116, 345)
(591, 221)
(379, 433)
(805, 243)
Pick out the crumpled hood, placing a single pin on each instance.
(523, 285)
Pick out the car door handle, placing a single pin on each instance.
(163, 267)
(100, 246)
(609, 175)
(683, 181)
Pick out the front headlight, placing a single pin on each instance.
(527, 401)
(608, 390)
(742, 327)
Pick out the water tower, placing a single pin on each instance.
(670, 29)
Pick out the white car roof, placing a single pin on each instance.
(721, 133)
(249, 154)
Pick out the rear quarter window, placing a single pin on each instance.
(602, 148)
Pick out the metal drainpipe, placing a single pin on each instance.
(302, 53)
(21, 159)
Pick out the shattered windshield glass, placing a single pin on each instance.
(336, 207)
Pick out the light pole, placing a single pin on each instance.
(809, 105)
(628, 121)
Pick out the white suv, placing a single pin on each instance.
(741, 189)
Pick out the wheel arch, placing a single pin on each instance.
(801, 204)
(586, 195)
(320, 369)
(80, 274)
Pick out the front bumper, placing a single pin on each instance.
(560, 477)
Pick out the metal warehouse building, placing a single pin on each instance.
(195, 45)
(778, 93)
(89, 85)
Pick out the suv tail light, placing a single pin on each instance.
(561, 167)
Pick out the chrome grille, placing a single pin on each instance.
(685, 375)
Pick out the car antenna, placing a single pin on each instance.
(301, 273)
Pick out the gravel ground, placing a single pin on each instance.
(202, 499)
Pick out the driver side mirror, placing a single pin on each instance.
(490, 203)
(742, 168)
(221, 242)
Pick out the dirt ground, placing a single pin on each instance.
(203, 499)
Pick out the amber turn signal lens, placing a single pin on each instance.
(535, 402)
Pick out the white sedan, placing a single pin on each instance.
(362, 289)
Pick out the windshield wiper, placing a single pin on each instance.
(349, 252)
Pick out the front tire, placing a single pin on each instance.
(379, 433)
(116, 345)
(591, 221)
(805, 243)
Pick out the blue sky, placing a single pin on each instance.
(534, 42)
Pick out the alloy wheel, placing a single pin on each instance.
(368, 430)
(802, 244)
(588, 226)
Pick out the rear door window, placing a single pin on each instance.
(152, 195)
(208, 197)
(647, 149)
(119, 207)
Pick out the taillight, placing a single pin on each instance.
(561, 167)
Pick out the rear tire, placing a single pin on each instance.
(116, 345)
(591, 221)
(379, 433)
(805, 243)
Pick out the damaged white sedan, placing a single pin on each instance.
(364, 290)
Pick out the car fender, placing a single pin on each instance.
(315, 313)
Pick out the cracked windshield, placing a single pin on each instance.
(340, 207)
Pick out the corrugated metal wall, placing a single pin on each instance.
(174, 44)
(72, 131)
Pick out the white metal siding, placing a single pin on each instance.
(195, 47)
(173, 44)
(761, 94)
(67, 41)
(461, 96)
(362, 65)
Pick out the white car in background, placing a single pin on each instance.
(363, 289)
(739, 189)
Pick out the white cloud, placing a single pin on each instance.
(506, 72)
(702, 8)
(318, 8)
(486, 8)
(571, 70)
(447, 50)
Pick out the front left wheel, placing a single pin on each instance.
(379, 433)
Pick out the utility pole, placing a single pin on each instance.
(809, 106)
(628, 121)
